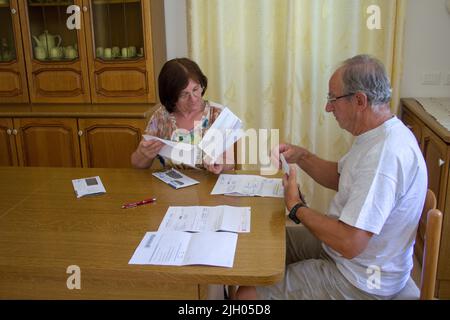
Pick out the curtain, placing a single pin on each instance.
(269, 61)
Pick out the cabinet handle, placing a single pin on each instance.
(9, 131)
(85, 9)
(14, 132)
(80, 133)
(13, 11)
(441, 162)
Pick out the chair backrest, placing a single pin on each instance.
(430, 203)
(430, 254)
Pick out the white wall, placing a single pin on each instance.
(426, 48)
(176, 28)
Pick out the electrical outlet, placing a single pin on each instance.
(431, 78)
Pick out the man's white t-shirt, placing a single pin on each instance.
(382, 189)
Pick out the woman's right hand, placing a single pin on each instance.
(150, 148)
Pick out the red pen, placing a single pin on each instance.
(139, 203)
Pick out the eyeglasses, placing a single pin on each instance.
(331, 99)
(196, 92)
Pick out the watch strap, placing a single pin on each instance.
(293, 212)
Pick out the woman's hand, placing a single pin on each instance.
(146, 151)
(214, 168)
(150, 149)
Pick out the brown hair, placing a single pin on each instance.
(174, 77)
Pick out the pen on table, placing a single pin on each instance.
(139, 203)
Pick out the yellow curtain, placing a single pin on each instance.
(270, 62)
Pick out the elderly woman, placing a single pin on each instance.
(183, 116)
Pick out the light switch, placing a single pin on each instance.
(447, 81)
(431, 78)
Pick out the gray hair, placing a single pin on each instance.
(364, 73)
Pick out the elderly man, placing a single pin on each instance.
(362, 248)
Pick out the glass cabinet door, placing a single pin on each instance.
(118, 31)
(7, 46)
(51, 39)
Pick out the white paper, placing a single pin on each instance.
(88, 186)
(248, 185)
(175, 178)
(284, 164)
(178, 152)
(201, 218)
(179, 248)
(223, 133)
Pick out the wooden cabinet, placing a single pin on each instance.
(434, 141)
(73, 137)
(81, 51)
(125, 76)
(109, 143)
(13, 81)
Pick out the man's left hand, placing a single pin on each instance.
(291, 189)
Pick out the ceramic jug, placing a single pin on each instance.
(47, 40)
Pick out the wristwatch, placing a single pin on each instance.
(293, 212)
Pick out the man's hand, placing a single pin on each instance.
(292, 154)
(291, 189)
(150, 149)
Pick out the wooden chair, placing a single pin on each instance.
(426, 249)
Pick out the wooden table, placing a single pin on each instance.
(44, 229)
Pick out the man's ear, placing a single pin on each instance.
(361, 100)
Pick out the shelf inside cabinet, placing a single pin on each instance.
(50, 4)
(114, 1)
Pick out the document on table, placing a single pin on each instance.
(200, 219)
(178, 152)
(175, 178)
(225, 130)
(248, 185)
(88, 186)
(177, 248)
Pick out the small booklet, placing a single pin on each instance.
(175, 178)
(248, 185)
(177, 248)
(200, 219)
(88, 186)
